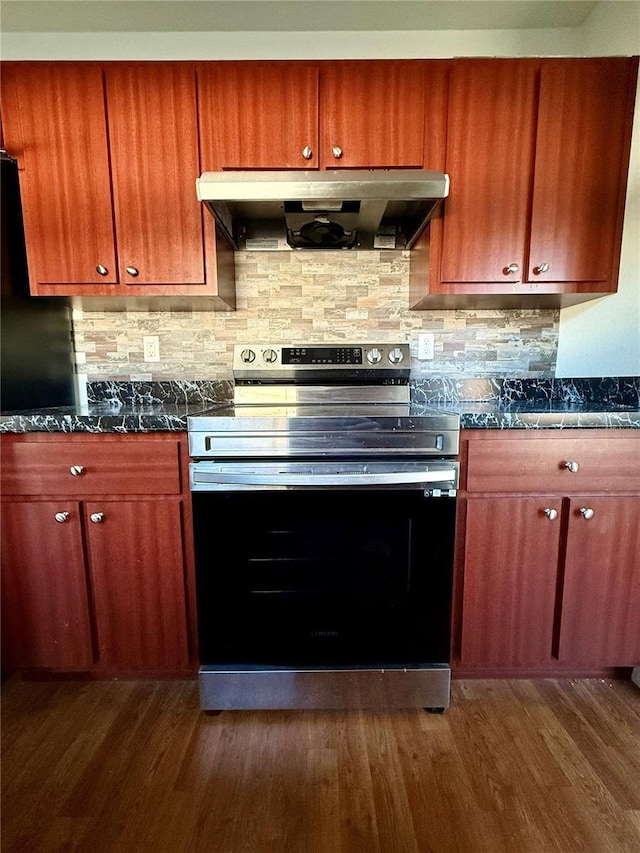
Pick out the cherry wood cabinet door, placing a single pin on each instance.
(489, 160)
(153, 135)
(510, 577)
(600, 618)
(54, 123)
(372, 114)
(582, 150)
(258, 115)
(45, 608)
(137, 575)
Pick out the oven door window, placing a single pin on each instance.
(329, 577)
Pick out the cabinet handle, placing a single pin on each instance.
(76, 470)
(102, 270)
(337, 152)
(132, 271)
(572, 466)
(551, 514)
(307, 153)
(61, 517)
(587, 512)
(512, 269)
(96, 517)
(541, 268)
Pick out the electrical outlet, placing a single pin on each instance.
(151, 347)
(426, 346)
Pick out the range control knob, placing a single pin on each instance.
(270, 355)
(374, 356)
(396, 355)
(247, 356)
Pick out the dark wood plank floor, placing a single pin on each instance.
(522, 766)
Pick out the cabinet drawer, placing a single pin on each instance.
(100, 469)
(542, 465)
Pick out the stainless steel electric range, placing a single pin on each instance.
(324, 513)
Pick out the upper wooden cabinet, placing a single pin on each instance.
(55, 124)
(327, 115)
(154, 162)
(490, 149)
(108, 157)
(372, 113)
(537, 151)
(258, 115)
(537, 154)
(580, 176)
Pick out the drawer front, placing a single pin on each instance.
(77, 468)
(554, 464)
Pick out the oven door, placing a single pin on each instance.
(324, 594)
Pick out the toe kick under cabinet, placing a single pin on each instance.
(97, 555)
(548, 573)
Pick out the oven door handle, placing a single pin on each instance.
(310, 479)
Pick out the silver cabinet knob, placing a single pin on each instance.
(551, 514)
(102, 270)
(541, 268)
(97, 517)
(76, 470)
(512, 269)
(307, 153)
(337, 152)
(61, 517)
(572, 466)
(587, 512)
(132, 271)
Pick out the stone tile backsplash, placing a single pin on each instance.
(316, 297)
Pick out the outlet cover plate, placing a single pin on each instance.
(151, 347)
(426, 344)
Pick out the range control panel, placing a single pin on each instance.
(320, 357)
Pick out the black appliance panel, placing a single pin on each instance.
(324, 578)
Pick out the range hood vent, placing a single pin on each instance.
(355, 209)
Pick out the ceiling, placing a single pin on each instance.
(287, 15)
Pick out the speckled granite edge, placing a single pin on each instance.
(512, 418)
(482, 403)
(608, 390)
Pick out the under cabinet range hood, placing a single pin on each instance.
(354, 209)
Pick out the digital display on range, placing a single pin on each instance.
(322, 355)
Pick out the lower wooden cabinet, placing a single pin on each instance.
(100, 583)
(510, 576)
(137, 579)
(45, 595)
(600, 606)
(549, 580)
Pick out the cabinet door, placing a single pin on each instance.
(489, 160)
(45, 610)
(153, 134)
(580, 168)
(372, 114)
(258, 115)
(600, 618)
(510, 576)
(137, 573)
(54, 123)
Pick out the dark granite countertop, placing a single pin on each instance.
(499, 404)
(103, 417)
(550, 415)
